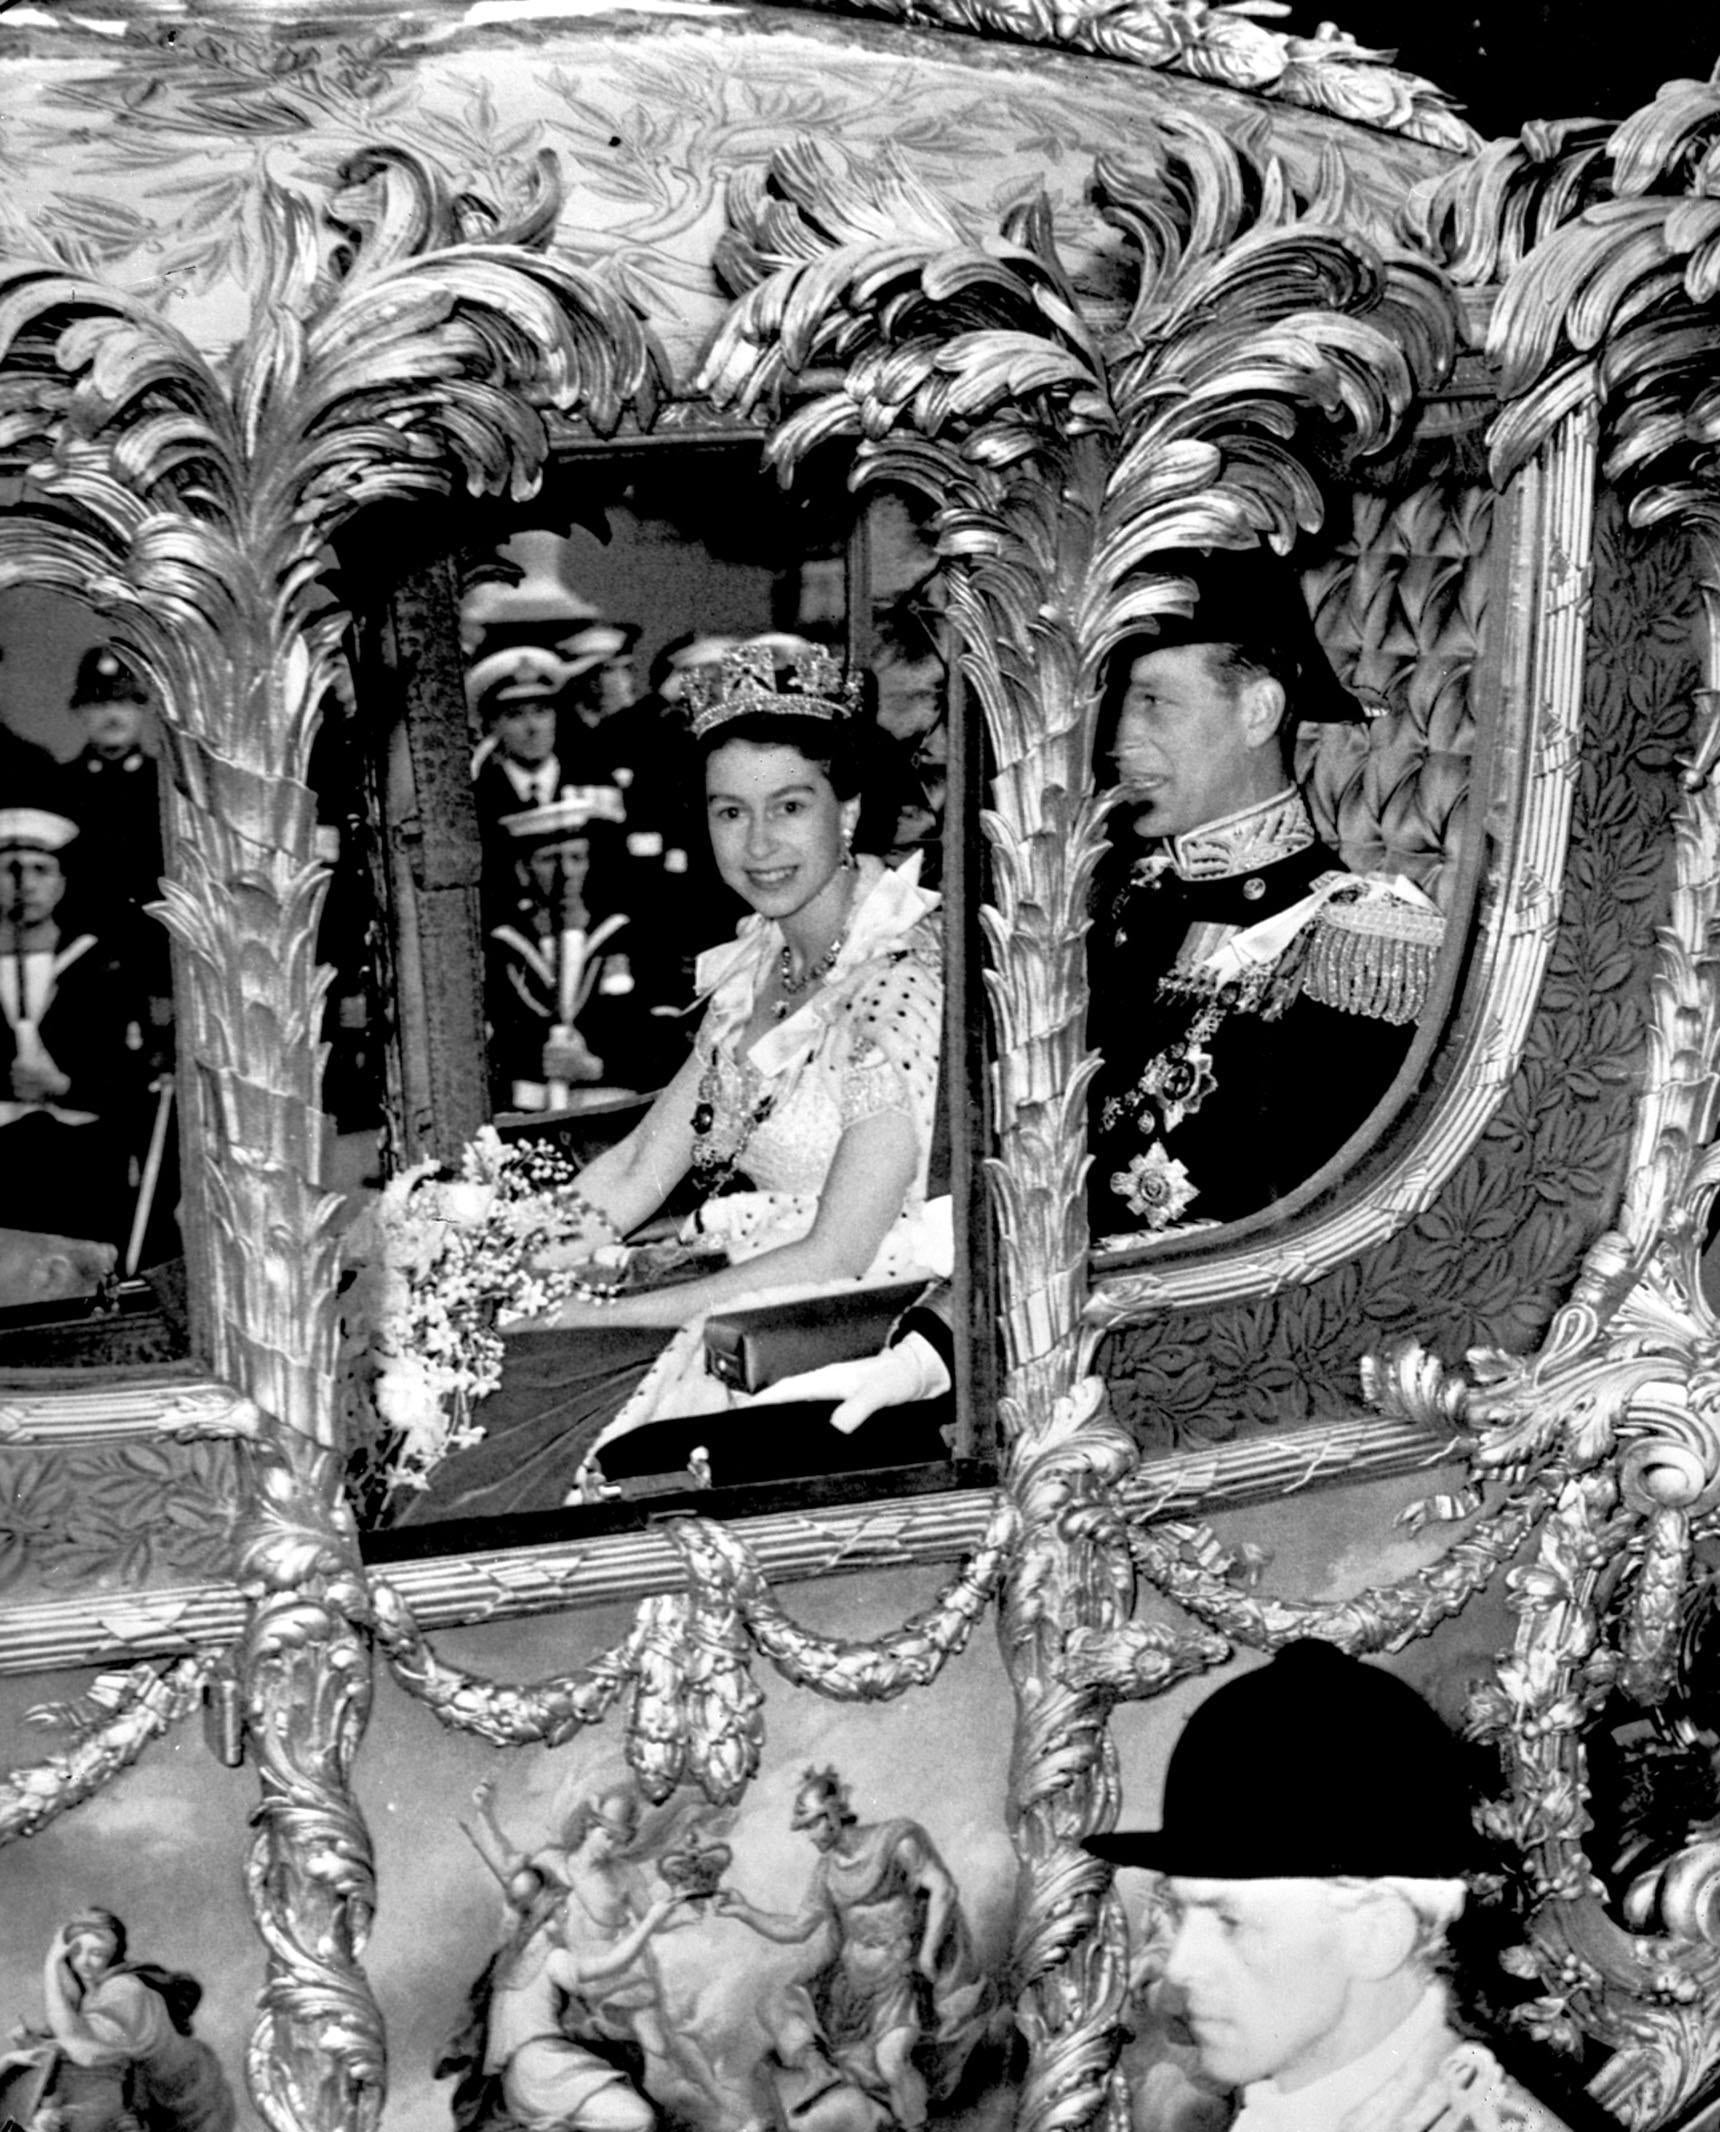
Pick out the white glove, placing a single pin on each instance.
(895, 1377)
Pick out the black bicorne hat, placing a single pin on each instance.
(1252, 599)
(1314, 1767)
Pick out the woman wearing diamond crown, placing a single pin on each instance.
(804, 1114)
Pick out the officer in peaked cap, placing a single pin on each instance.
(516, 693)
(522, 761)
(600, 670)
(1251, 998)
(1314, 1839)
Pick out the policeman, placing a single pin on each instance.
(1251, 999)
(114, 794)
(1315, 1837)
(518, 694)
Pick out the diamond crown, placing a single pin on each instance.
(750, 679)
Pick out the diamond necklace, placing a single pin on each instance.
(789, 987)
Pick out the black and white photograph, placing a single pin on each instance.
(859, 1246)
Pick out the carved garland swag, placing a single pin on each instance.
(194, 503)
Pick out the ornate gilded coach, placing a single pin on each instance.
(1090, 285)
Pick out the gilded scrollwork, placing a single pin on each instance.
(413, 337)
(1061, 453)
(694, 1712)
(404, 338)
(1215, 41)
(1602, 242)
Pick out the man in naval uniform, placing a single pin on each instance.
(517, 692)
(1314, 1840)
(1251, 999)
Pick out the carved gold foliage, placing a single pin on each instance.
(1617, 1407)
(1188, 1564)
(1219, 42)
(1136, 1663)
(1062, 453)
(119, 1715)
(1607, 241)
(550, 1711)
(694, 1711)
(910, 1656)
(200, 499)
(402, 338)
(316, 2053)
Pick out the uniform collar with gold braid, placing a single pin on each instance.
(1244, 842)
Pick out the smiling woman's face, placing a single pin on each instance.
(777, 827)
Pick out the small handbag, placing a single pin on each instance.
(750, 1350)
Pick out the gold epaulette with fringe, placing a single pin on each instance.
(1374, 954)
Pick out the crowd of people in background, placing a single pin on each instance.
(599, 892)
(86, 995)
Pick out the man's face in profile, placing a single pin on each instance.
(1265, 1969)
(1188, 749)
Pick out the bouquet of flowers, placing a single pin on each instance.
(438, 1262)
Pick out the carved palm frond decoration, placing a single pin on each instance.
(1263, 333)
(1067, 444)
(1607, 241)
(425, 347)
(420, 342)
(1606, 244)
(1064, 452)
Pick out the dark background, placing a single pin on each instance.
(1508, 61)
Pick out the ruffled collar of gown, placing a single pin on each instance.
(888, 903)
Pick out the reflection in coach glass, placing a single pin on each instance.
(1251, 998)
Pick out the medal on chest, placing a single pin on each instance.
(1179, 1081)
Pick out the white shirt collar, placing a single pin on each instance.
(533, 781)
(1322, 2103)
